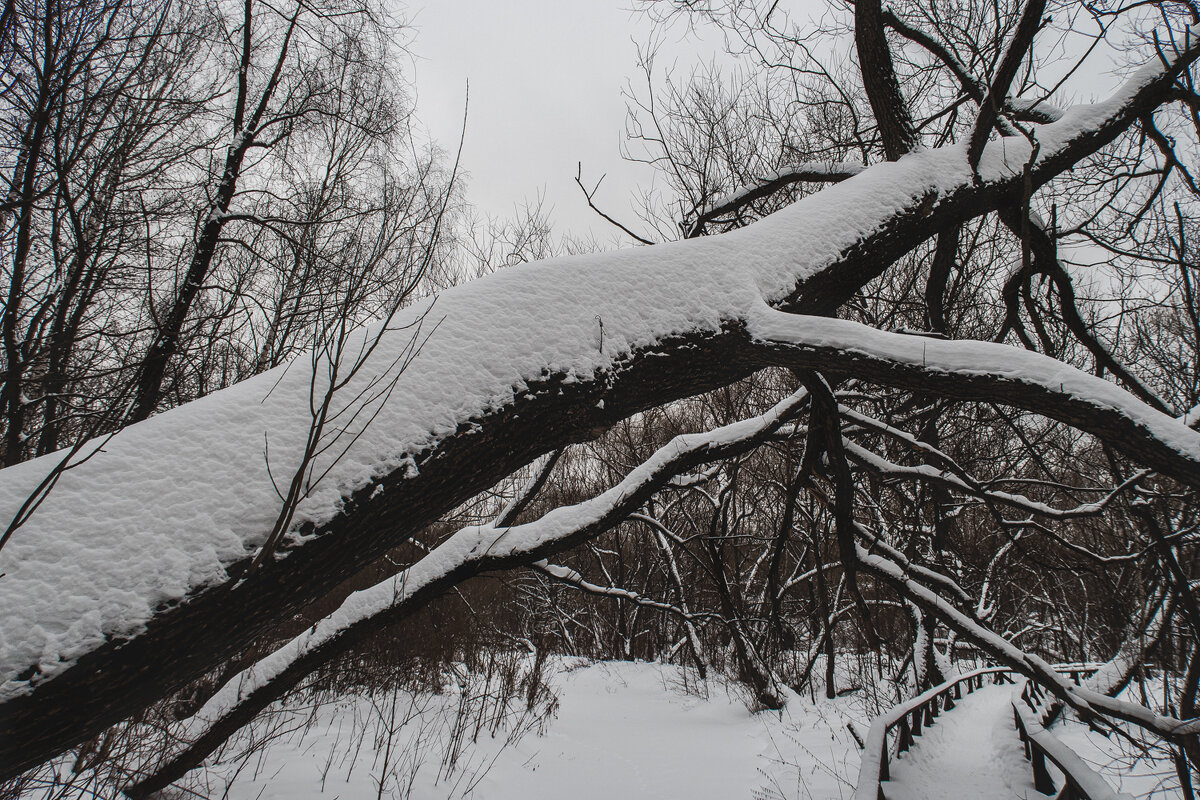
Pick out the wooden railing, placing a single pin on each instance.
(905, 721)
(1080, 782)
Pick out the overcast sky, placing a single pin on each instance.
(546, 81)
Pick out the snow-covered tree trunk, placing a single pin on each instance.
(100, 619)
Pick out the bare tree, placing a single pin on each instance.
(909, 465)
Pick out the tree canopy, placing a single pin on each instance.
(922, 339)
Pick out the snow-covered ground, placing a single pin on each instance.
(621, 730)
(624, 730)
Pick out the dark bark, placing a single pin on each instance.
(989, 109)
(1118, 430)
(825, 606)
(15, 355)
(766, 189)
(782, 538)
(184, 641)
(169, 332)
(969, 86)
(261, 697)
(945, 256)
(1044, 252)
(750, 668)
(896, 127)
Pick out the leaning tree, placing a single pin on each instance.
(856, 266)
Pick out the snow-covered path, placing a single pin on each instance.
(971, 751)
(622, 731)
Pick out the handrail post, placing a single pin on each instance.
(1022, 734)
(906, 739)
(1041, 775)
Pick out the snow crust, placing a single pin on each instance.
(166, 505)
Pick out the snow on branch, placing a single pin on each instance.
(571, 577)
(767, 184)
(124, 583)
(1075, 770)
(1085, 701)
(466, 553)
(984, 372)
(882, 466)
(916, 571)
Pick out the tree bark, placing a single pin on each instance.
(879, 79)
(182, 642)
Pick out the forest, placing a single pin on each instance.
(886, 399)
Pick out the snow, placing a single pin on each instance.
(1140, 635)
(968, 358)
(1031, 105)
(633, 730)
(1091, 783)
(794, 173)
(1078, 696)
(964, 483)
(474, 543)
(621, 730)
(920, 647)
(971, 751)
(1135, 766)
(166, 505)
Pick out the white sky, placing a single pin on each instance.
(545, 93)
(546, 81)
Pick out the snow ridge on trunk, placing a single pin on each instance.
(173, 503)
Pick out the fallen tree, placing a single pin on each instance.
(142, 570)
